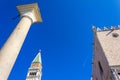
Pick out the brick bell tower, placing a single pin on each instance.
(106, 59)
(35, 70)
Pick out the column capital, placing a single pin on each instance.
(31, 11)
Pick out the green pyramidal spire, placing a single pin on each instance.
(38, 58)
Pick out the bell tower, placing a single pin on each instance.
(35, 70)
(106, 59)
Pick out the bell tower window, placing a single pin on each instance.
(32, 74)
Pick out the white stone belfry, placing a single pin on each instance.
(35, 70)
(29, 14)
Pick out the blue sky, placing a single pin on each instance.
(65, 35)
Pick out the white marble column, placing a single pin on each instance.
(10, 50)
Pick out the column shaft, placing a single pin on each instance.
(11, 48)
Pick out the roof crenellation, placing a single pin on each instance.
(98, 29)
